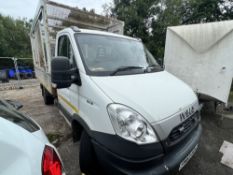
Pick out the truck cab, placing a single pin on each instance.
(131, 116)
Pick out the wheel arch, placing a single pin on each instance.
(78, 125)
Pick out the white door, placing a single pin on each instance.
(68, 97)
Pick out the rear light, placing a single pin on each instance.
(51, 164)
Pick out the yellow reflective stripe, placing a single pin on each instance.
(69, 104)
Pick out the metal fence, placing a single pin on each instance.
(14, 60)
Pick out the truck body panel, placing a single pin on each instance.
(201, 56)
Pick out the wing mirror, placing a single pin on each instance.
(61, 73)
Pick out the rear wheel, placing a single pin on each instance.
(48, 98)
(86, 155)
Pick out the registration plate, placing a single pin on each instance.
(185, 161)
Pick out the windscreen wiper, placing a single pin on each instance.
(125, 68)
(153, 67)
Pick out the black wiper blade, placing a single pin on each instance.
(125, 68)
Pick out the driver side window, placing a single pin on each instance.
(65, 49)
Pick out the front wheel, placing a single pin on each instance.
(86, 155)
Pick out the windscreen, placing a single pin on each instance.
(103, 54)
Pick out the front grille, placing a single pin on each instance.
(184, 128)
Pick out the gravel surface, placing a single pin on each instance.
(205, 162)
(207, 159)
(15, 84)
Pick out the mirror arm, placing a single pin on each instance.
(75, 76)
(73, 71)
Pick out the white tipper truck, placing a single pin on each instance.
(130, 115)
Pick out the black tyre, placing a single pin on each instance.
(48, 98)
(87, 156)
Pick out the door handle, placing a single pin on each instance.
(223, 69)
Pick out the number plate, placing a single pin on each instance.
(185, 161)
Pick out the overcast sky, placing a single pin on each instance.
(27, 8)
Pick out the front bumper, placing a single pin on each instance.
(136, 160)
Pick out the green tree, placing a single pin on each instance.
(149, 19)
(196, 11)
(136, 15)
(14, 39)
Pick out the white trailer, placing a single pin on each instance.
(202, 56)
(52, 17)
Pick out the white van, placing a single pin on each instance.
(131, 116)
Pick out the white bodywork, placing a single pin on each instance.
(21, 151)
(202, 56)
(155, 95)
(158, 96)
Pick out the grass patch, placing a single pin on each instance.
(231, 97)
(53, 137)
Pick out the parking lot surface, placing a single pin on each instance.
(205, 162)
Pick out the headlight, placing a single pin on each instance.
(130, 125)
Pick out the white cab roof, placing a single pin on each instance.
(97, 32)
